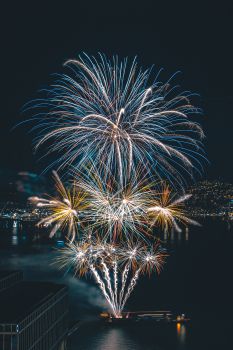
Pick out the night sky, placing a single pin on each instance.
(37, 38)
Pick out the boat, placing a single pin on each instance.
(144, 316)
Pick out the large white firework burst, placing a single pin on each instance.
(112, 112)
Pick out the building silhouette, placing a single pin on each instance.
(33, 315)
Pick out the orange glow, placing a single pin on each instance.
(178, 327)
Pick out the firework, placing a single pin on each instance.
(107, 111)
(167, 211)
(115, 267)
(118, 209)
(116, 130)
(65, 210)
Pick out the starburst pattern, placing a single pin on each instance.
(109, 112)
(65, 209)
(168, 211)
(115, 208)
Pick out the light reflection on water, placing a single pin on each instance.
(124, 337)
(181, 333)
(118, 338)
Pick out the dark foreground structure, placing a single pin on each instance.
(33, 315)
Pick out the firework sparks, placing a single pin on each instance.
(167, 212)
(120, 209)
(115, 132)
(105, 111)
(111, 266)
(64, 210)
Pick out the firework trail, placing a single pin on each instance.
(115, 274)
(103, 261)
(123, 282)
(130, 288)
(108, 282)
(103, 289)
(107, 111)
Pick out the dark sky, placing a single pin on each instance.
(189, 36)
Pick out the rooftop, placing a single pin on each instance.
(5, 273)
(22, 299)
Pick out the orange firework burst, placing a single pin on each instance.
(167, 211)
(65, 210)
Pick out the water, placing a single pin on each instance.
(196, 280)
